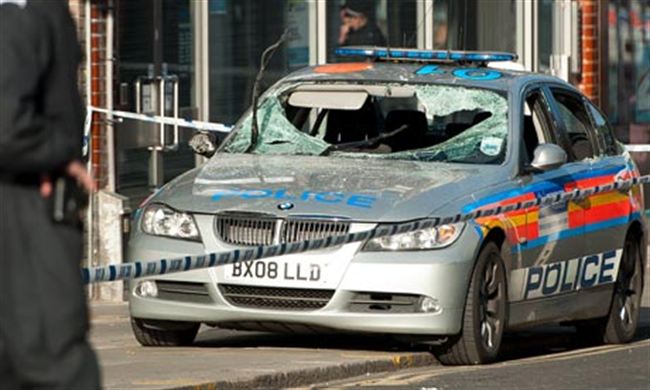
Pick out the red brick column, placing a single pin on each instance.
(98, 88)
(590, 53)
(97, 77)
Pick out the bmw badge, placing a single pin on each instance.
(285, 206)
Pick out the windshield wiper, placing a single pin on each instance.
(365, 142)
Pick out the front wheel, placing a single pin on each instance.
(485, 314)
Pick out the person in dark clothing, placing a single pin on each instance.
(358, 26)
(43, 312)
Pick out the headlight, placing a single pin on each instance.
(431, 238)
(160, 220)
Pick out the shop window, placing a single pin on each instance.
(239, 31)
(479, 25)
(628, 72)
(371, 22)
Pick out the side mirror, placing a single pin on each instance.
(203, 144)
(548, 156)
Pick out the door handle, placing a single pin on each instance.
(620, 177)
(138, 95)
(175, 104)
(164, 81)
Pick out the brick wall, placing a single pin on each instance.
(96, 78)
(590, 52)
(98, 88)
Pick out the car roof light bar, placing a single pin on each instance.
(382, 53)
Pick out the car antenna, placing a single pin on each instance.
(388, 42)
(414, 34)
(463, 33)
(264, 62)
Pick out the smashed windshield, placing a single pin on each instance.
(405, 122)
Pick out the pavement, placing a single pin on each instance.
(226, 359)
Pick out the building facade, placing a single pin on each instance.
(211, 50)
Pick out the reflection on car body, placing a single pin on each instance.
(348, 147)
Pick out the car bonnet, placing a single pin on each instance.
(323, 187)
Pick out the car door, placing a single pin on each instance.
(554, 233)
(592, 267)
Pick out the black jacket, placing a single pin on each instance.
(41, 116)
(368, 35)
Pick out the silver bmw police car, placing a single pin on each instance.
(352, 146)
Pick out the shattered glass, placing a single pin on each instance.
(277, 134)
(479, 141)
(468, 146)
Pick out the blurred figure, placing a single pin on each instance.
(43, 312)
(358, 25)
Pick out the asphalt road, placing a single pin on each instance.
(604, 367)
(546, 357)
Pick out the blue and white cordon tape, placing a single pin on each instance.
(166, 266)
(638, 148)
(182, 122)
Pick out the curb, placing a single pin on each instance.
(322, 375)
(308, 377)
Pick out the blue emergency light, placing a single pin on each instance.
(399, 54)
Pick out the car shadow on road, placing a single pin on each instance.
(546, 340)
(218, 338)
(516, 345)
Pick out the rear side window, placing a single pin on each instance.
(604, 134)
(576, 122)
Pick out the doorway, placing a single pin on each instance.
(154, 73)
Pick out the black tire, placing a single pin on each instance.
(485, 314)
(154, 333)
(620, 324)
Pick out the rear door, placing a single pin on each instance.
(609, 213)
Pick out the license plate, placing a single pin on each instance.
(291, 272)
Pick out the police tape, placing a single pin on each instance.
(638, 148)
(186, 263)
(182, 122)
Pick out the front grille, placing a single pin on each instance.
(296, 231)
(245, 231)
(275, 298)
(183, 291)
(266, 230)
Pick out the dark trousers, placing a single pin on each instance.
(43, 312)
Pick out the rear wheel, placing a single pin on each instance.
(620, 324)
(485, 314)
(154, 333)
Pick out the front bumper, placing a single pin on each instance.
(440, 274)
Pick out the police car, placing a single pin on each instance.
(401, 135)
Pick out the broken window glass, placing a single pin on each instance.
(277, 135)
(438, 123)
